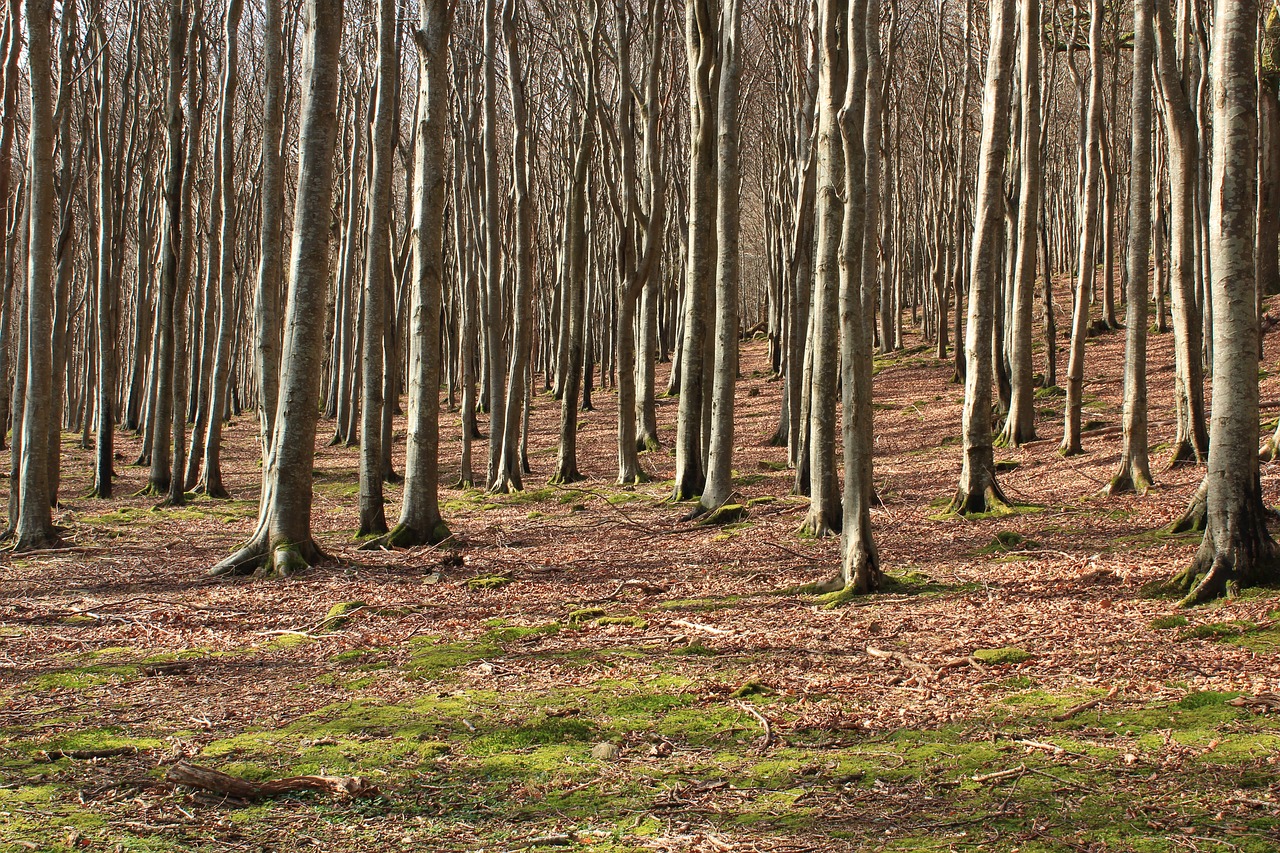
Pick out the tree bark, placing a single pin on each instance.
(978, 491)
(282, 543)
(1237, 550)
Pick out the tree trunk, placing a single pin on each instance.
(282, 543)
(1237, 550)
(701, 44)
(1020, 426)
(719, 472)
(376, 272)
(1086, 270)
(978, 491)
(34, 527)
(1134, 473)
(211, 483)
(420, 522)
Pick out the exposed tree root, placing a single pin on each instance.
(1128, 479)
(1185, 453)
(407, 536)
(220, 783)
(42, 540)
(989, 500)
(260, 560)
(1196, 516)
(566, 475)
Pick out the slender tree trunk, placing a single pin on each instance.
(978, 491)
(34, 528)
(1086, 271)
(718, 487)
(508, 409)
(282, 543)
(1020, 426)
(700, 48)
(377, 253)
(1134, 473)
(420, 522)
(824, 515)
(1237, 549)
(212, 484)
(1191, 442)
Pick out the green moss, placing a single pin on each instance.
(1216, 630)
(586, 615)
(339, 614)
(1173, 620)
(83, 678)
(629, 621)
(1004, 656)
(489, 582)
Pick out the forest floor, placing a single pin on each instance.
(474, 686)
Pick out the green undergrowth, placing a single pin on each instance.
(452, 754)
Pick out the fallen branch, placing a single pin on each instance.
(1000, 774)
(1084, 706)
(218, 782)
(86, 754)
(696, 626)
(900, 658)
(766, 740)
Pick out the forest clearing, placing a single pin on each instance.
(471, 686)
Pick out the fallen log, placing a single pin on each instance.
(217, 782)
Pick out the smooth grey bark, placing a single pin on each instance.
(640, 241)
(282, 543)
(1134, 473)
(376, 273)
(1086, 265)
(824, 516)
(1191, 442)
(494, 326)
(701, 42)
(576, 256)
(1237, 549)
(420, 522)
(187, 253)
(1020, 425)
(211, 482)
(978, 491)
(718, 486)
(107, 286)
(860, 561)
(34, 528)
(269, 283)
(160, 417)
(506, 473)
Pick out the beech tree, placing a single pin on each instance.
(1237, 548)
(282, 543)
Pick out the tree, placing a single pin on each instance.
(211, 482)
(1236, 549)
(1020, 425)
(282, 543)
(1191, 443)
(978, 491)
(1134, 473)
(719, 472)
(1086, 268)
(824, 515)
(420, 522)
(34, 528)
(377, 276)
(507, 471)
(860, 562)
(701, 48)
